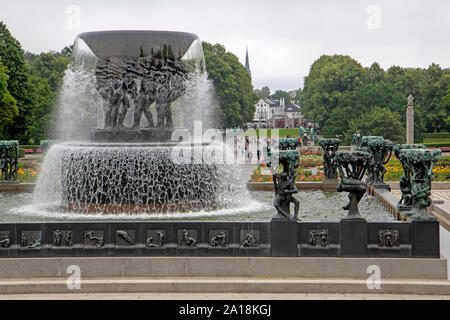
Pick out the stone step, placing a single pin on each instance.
(267, 267)
(225, 285)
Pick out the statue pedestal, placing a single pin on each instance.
(404, 208)
(132, 135)
(283, 237)
(425, 239)
(353, 237)
(381, 185)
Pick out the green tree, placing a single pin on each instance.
(50, 66)
(46, 74)
(446, 101)
(19, 86)
(428, 86)
(375, 73)
(329, 78)
(66, 52)
(262, 93)
(232, 85)
(8, 107)
(40, 119)
(436, 84)
(297, 95)
(354, 103)
(265, 92)
(337, 90)
(377, 121)
(282, 94)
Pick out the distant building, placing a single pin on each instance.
(293, 115)
(262, 112)
(275, 114)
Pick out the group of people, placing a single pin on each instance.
(251, 149)
(140, 83)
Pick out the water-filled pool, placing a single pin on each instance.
(314, 206)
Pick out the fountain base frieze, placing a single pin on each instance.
(279, 237)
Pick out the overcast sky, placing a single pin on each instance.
(284, 37)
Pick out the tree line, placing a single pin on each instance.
(29, 86)
(344, 97)
(294, 96)
(338, 93)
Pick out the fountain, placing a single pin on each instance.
(137, 160)
(128, 107)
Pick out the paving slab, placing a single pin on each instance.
(219, 296)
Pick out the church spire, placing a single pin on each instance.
(247, 64)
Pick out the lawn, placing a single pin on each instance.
(268, 132)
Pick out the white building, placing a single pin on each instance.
(275, 114)
(262, 112)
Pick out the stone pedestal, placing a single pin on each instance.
(283, 238)
(410, 121)
(425, 239)
(410, 128)
(127, 135)
(353, 237)
(382, 185)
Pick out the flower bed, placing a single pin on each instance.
(28, 172)
(395, 171)
(310, 160)
(310, 153)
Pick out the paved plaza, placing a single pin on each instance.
(220, 296)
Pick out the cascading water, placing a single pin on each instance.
(122, 100)
(137, 178)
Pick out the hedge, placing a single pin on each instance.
(30, 146)
(440, 135)
(436, 141)
(437, 144)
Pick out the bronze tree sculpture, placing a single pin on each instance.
(420, 162)
(330, 147)
(352, 166)
(406, 201)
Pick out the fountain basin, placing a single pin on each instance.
(137, 178)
